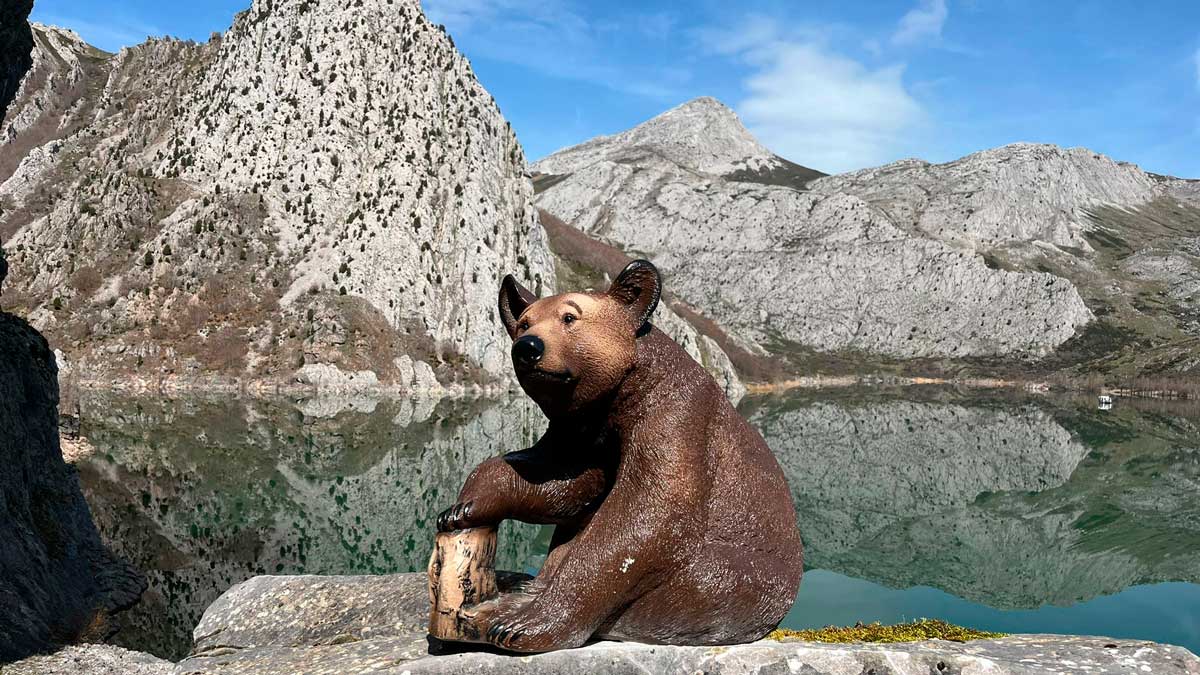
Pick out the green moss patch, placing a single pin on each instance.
(925, 629)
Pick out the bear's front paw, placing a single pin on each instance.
(527, 634)
(511, 623)
(457, 517)
(519, 629)
(504, 635)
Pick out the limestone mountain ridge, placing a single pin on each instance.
(1027, 256)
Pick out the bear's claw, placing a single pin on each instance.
(503, 635)
(455, 518)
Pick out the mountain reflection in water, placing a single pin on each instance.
(993, 509)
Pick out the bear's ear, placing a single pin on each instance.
(638, 288)
(514, 298)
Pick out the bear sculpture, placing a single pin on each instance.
(674, 522)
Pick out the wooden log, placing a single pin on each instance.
(462, 572)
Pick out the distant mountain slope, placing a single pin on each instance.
(325, 184)
(1128, 241)
(1000, 259)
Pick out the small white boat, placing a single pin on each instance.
(1106, 402)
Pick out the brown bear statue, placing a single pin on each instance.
(674, 523)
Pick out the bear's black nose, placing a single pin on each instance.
(528, 350)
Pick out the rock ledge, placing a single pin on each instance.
(365, 624)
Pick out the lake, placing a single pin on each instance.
(996, 510)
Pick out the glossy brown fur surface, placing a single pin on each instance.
(674, 521)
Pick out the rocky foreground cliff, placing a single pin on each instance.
(58, 583)
(1026, 257)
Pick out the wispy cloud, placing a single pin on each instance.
(816, 106)
(922, 23)
(1196, 57)
(555, 38)
(658, 25)
(109, 35)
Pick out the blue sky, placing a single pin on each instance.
(830, 84)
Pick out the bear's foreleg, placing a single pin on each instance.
(530, 486)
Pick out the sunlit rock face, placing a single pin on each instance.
(322, 196)
(822, 263)
(1012, 507)
(1009, 252)
(206, 494)
(1014, 194)
(325, 183)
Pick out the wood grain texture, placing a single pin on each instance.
(462, 572)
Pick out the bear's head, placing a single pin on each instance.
(572, 349)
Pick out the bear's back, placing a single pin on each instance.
(749, 493)
(740, 575)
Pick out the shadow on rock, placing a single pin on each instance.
(58, 583)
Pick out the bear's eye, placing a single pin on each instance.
(568, 319)
(523, 326)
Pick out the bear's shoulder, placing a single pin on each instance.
(668, 362)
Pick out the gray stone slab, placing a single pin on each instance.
(314, 611)
(90, 660)
(277, 625)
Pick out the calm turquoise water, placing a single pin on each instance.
(1166, 612)
(1005, 513)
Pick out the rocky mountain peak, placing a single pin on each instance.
(66, 37)
(702, 135)
(336, 162)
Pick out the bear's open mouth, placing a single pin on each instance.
(563, 376)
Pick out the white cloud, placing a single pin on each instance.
(657, 25)
(818, 107)
(921, 23)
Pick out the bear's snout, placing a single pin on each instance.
(527, 351)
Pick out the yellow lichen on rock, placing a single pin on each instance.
(925, 629)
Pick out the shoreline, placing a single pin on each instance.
(272, 389)
(222, 386)
(1033, 386)
(845, 381)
